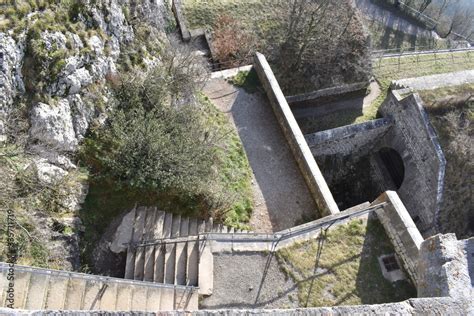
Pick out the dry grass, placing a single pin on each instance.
(348, 271)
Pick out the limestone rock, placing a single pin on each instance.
(52, 126)
(11, 80)
(47, 172)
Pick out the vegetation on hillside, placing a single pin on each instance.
(451, 111)
(342, 267)
(165, 144)
(310, 44)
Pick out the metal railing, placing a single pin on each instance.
(257, 237)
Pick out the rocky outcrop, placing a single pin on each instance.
(52, 127)
(11, 81)
(60, 73)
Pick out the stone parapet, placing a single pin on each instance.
(306, 162)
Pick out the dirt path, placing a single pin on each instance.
(281, 197)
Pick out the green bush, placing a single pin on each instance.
(151, 144)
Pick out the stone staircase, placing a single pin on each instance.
(44, 289)
(167, 248)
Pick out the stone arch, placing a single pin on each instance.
(394, 164)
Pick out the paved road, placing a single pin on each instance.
(281, 196)
(374, 12)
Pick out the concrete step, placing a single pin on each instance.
(192, 263)
(149, 263)
(130, 264)
(108, 301)
(170, 263)
(56, 293)
(192, 255)
(139, 235)
(37, 291)
(92, 295)
(124, 297)
(182, 254)
(139, 298)
(167, 299)
(75, 294)
(176, 227)
(21, 285)
(159, 264)
(181, 259)
(168, 223)
(139, 263)
(158, 227)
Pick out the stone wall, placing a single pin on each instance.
(306, 162)
(416, 306)
(413, 137)
(445, 267)
(402, 232)
(181, 21)
(348, 140)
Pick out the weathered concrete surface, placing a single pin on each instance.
(237, 280)
(281, 196)
(445, 267)
(308, 166)
(435, 81)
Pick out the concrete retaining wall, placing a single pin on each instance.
(413, 137)
(308, 166)
(402, 232)
(348, 139)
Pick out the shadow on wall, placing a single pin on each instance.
(326, 113)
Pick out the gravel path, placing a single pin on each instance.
(237, 280)
(281, 197)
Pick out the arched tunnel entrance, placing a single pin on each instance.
(393, 163)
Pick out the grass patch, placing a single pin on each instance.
(248, 80)
(348, 272)
(451, 111)
(235, 174)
